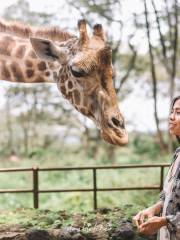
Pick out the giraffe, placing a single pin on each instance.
(80, 66)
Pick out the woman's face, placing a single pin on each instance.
(174, 119)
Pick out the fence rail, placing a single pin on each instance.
(35, 183)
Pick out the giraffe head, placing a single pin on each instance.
(87, 82)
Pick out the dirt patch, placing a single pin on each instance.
(110, 224)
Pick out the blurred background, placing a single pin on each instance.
(39, 128)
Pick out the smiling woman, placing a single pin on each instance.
(174, 121)
(169, 205)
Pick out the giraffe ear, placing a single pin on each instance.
(98, 31)
(47, 50)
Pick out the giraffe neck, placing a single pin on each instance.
(25, 31)
(18, 62)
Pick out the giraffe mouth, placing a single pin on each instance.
(115, 136)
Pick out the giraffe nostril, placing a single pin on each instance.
(117, 122)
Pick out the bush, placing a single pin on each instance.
(145, 145)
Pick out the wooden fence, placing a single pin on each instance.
(94, 169)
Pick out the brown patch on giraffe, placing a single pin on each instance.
(29, 73)
(83, 111)
(4, 71)
(47, 73)
(85, 102)
(70, 85)
(32, 54)
(66, 76)
(39, 79)
(6, 45)
(62, 79)
(17, 73)
(70, 96)
(76, 95)
(20, 51)
(61, 71)
(63, 90)
(41, 66)
(28, 63)
(55, 76)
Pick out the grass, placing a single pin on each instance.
(48, 219)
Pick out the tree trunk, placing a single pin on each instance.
(154, 82)
(9, 125)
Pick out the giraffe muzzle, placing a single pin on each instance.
(114, 132)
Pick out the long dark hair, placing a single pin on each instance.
(172, 104)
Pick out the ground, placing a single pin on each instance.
(31, 224)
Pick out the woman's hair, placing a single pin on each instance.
(172, 104)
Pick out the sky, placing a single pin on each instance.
(136, 107)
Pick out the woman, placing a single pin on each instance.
(168, 224)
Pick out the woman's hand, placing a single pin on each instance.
(152, 225)
(147, 214)
(142, 215)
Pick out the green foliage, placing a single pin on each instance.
(46, 219)
(144, 144)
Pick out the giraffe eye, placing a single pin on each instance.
(76, 72)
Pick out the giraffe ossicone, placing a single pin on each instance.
(81, 67)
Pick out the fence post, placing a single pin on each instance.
(35, 187)
(162, 178)
(94, 188)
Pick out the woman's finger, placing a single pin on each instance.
(136, 222)
(142, 217)
(143, 225)
(136, 219)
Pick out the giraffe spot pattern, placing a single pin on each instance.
(30, 73)
(47, 73)
(83, 111)
(70, 96)
(63, 90)
(55, 76)
(4, 71)
(28, 63)
(20, 51)
(66, 76)
(39, 79)
(41, 66)
(61, 71)
(6, 46)
(76, 95)
(85, 101)
(17, 73)
(70, 85)
(62, 79)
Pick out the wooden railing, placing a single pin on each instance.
(35, 184)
